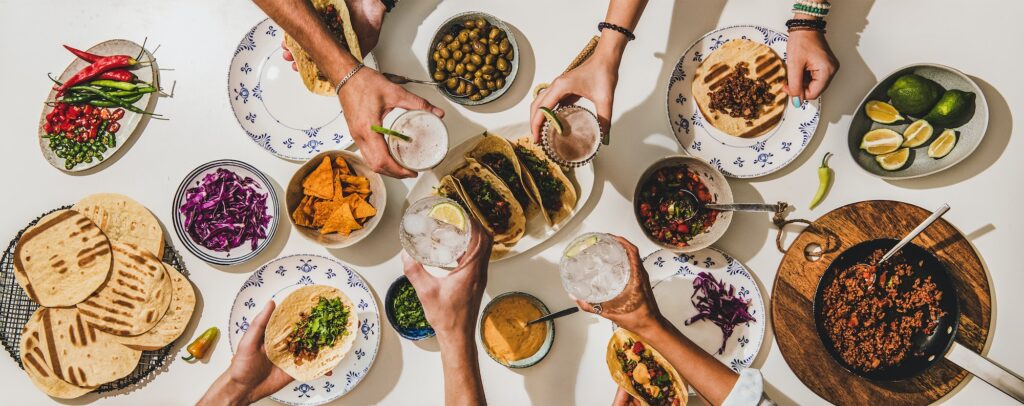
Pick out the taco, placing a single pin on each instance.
(449, 187)
(496, 154)
(491, 203)
(556, 193)
(310, 331)
(643, 372)
(334, 15)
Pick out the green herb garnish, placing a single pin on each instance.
(324, 324)
(408, 310)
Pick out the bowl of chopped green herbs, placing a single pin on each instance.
(405, 312)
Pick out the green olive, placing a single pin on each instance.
(489, 59)
(466, 48)
(469, 24)
(447, 38)
(436, 56)
(494, 33)
(466, 58)
(453, 45)
(451, 83)
(471, 67)
(479, 48)
(481, 23)
(487, 76)
(445, 53)
(450, 65)
(499, 83)
(474, 34)
(486, 69)
(460, 69)
(461, 88)
(476, 97)
(464, 35)
(511, 54)
(485, 92)
(468, 76)
(504, 45)
(495, 50)
(470, 89)
(490, 85)
(502, 65)
(476, 59)
(479, 82)
(439, 76)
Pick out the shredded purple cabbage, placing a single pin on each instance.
(718, 305)
(225, 210)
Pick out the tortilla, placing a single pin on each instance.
(59, 343)
(62, 259)
(320, 182)
(341, 221)
(311, 75)
(497, 144)
(568, 197)
(282, 322)
(517, 220)
(135, 298)
(170, 327)
(763, 63)
(123, 219)
(619, 338)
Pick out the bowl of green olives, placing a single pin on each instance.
(478, 48)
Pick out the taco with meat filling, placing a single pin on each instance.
(495, 153)
(643, 372)
(335, 17)
(556, 194)
(310, 331)
(491, 203)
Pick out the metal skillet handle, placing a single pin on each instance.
(771, 208)
(997, 376)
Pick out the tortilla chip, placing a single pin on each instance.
(320, 182)
(322, 211)
(339, 191)
(361, 208)
(342, 166)
(303, 214)
(341, 221)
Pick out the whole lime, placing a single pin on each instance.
(914, 95)
(953, 109)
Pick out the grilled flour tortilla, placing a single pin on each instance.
(290, 313)
(179, 313)
(314, 80)
(491, 203)
(556, 194)
(763, 63)
(643, 372)
(123, 219)
(135, 298)
(495, 153)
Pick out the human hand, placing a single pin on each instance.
(367, 18)
(365, 99)
(251, 376)
(594, 80)
(810, 65)
(451, 303)
(635, 308)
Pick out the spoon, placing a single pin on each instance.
(745, 207)
(555, 315)
(913, 233)
(401, 80)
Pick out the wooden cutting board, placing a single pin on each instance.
(797, 279)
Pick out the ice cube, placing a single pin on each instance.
(416, 224)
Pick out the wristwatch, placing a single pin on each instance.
(389, 4)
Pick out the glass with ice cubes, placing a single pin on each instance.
(594, 268)
(435, 231)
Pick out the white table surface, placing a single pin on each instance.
(197, 37)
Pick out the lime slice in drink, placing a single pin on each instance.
(881, 141)
(387, 131)
(448, 213)
(882, 112)
(550, 115)
(942, 145)
(917, 134)
(894, 161)
(581, 245)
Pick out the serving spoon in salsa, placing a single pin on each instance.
(690, 206)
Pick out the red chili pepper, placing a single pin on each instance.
(86, 56)
(120, 75)
(101, 65)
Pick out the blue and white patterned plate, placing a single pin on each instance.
(274, 107)
(276, 280)
(672, 277)
(736, 157)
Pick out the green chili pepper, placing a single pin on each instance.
(199, 347)
(824, 181)
(119, 102)
(113, 84)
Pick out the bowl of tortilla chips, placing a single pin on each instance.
(335, 200)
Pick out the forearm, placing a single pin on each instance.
(712, 379)
(224, 391)
(623, 13)
(299, 19)
(462, 383)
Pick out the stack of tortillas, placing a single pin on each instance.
(105, 295)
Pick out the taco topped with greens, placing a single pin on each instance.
(554, 190)
(491, 203)
(495, 153)
(643, 372)
(311, 331)
(335, 17)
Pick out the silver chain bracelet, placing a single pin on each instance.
(351, 73)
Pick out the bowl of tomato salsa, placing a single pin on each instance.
(668, 203)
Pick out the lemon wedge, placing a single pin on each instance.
(881, 141)
(448, 213)
(942, 145)
(581, 245)
(918, 133)
(882, 112)
(895, 160)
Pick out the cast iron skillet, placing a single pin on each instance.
(925, 350)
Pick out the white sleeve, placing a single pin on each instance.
(749, 390)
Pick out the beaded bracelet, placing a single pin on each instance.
(818, 25)
(824, 5)
(629, 34)
(812, 11)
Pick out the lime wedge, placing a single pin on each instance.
(894, 161)
(918, 133)
(942, 145)
(881, 141)
(387, 131)
(552, 118)
(882, 112)
(448, 213)
(581, 245)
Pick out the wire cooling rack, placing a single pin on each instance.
(16, 309)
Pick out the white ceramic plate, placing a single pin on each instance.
(130, 121)
(274, 107)
(537, 230)
(734, 156)
(672, 279)
(276, 280)
(243, 252)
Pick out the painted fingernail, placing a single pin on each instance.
(796, 102)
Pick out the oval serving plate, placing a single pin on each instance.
(274, 281)
(537, 230)
(129, 123)
(273, 106)
(734, 156)
(492, 20)
(920, 164)
(672, 277)
(243, 252)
